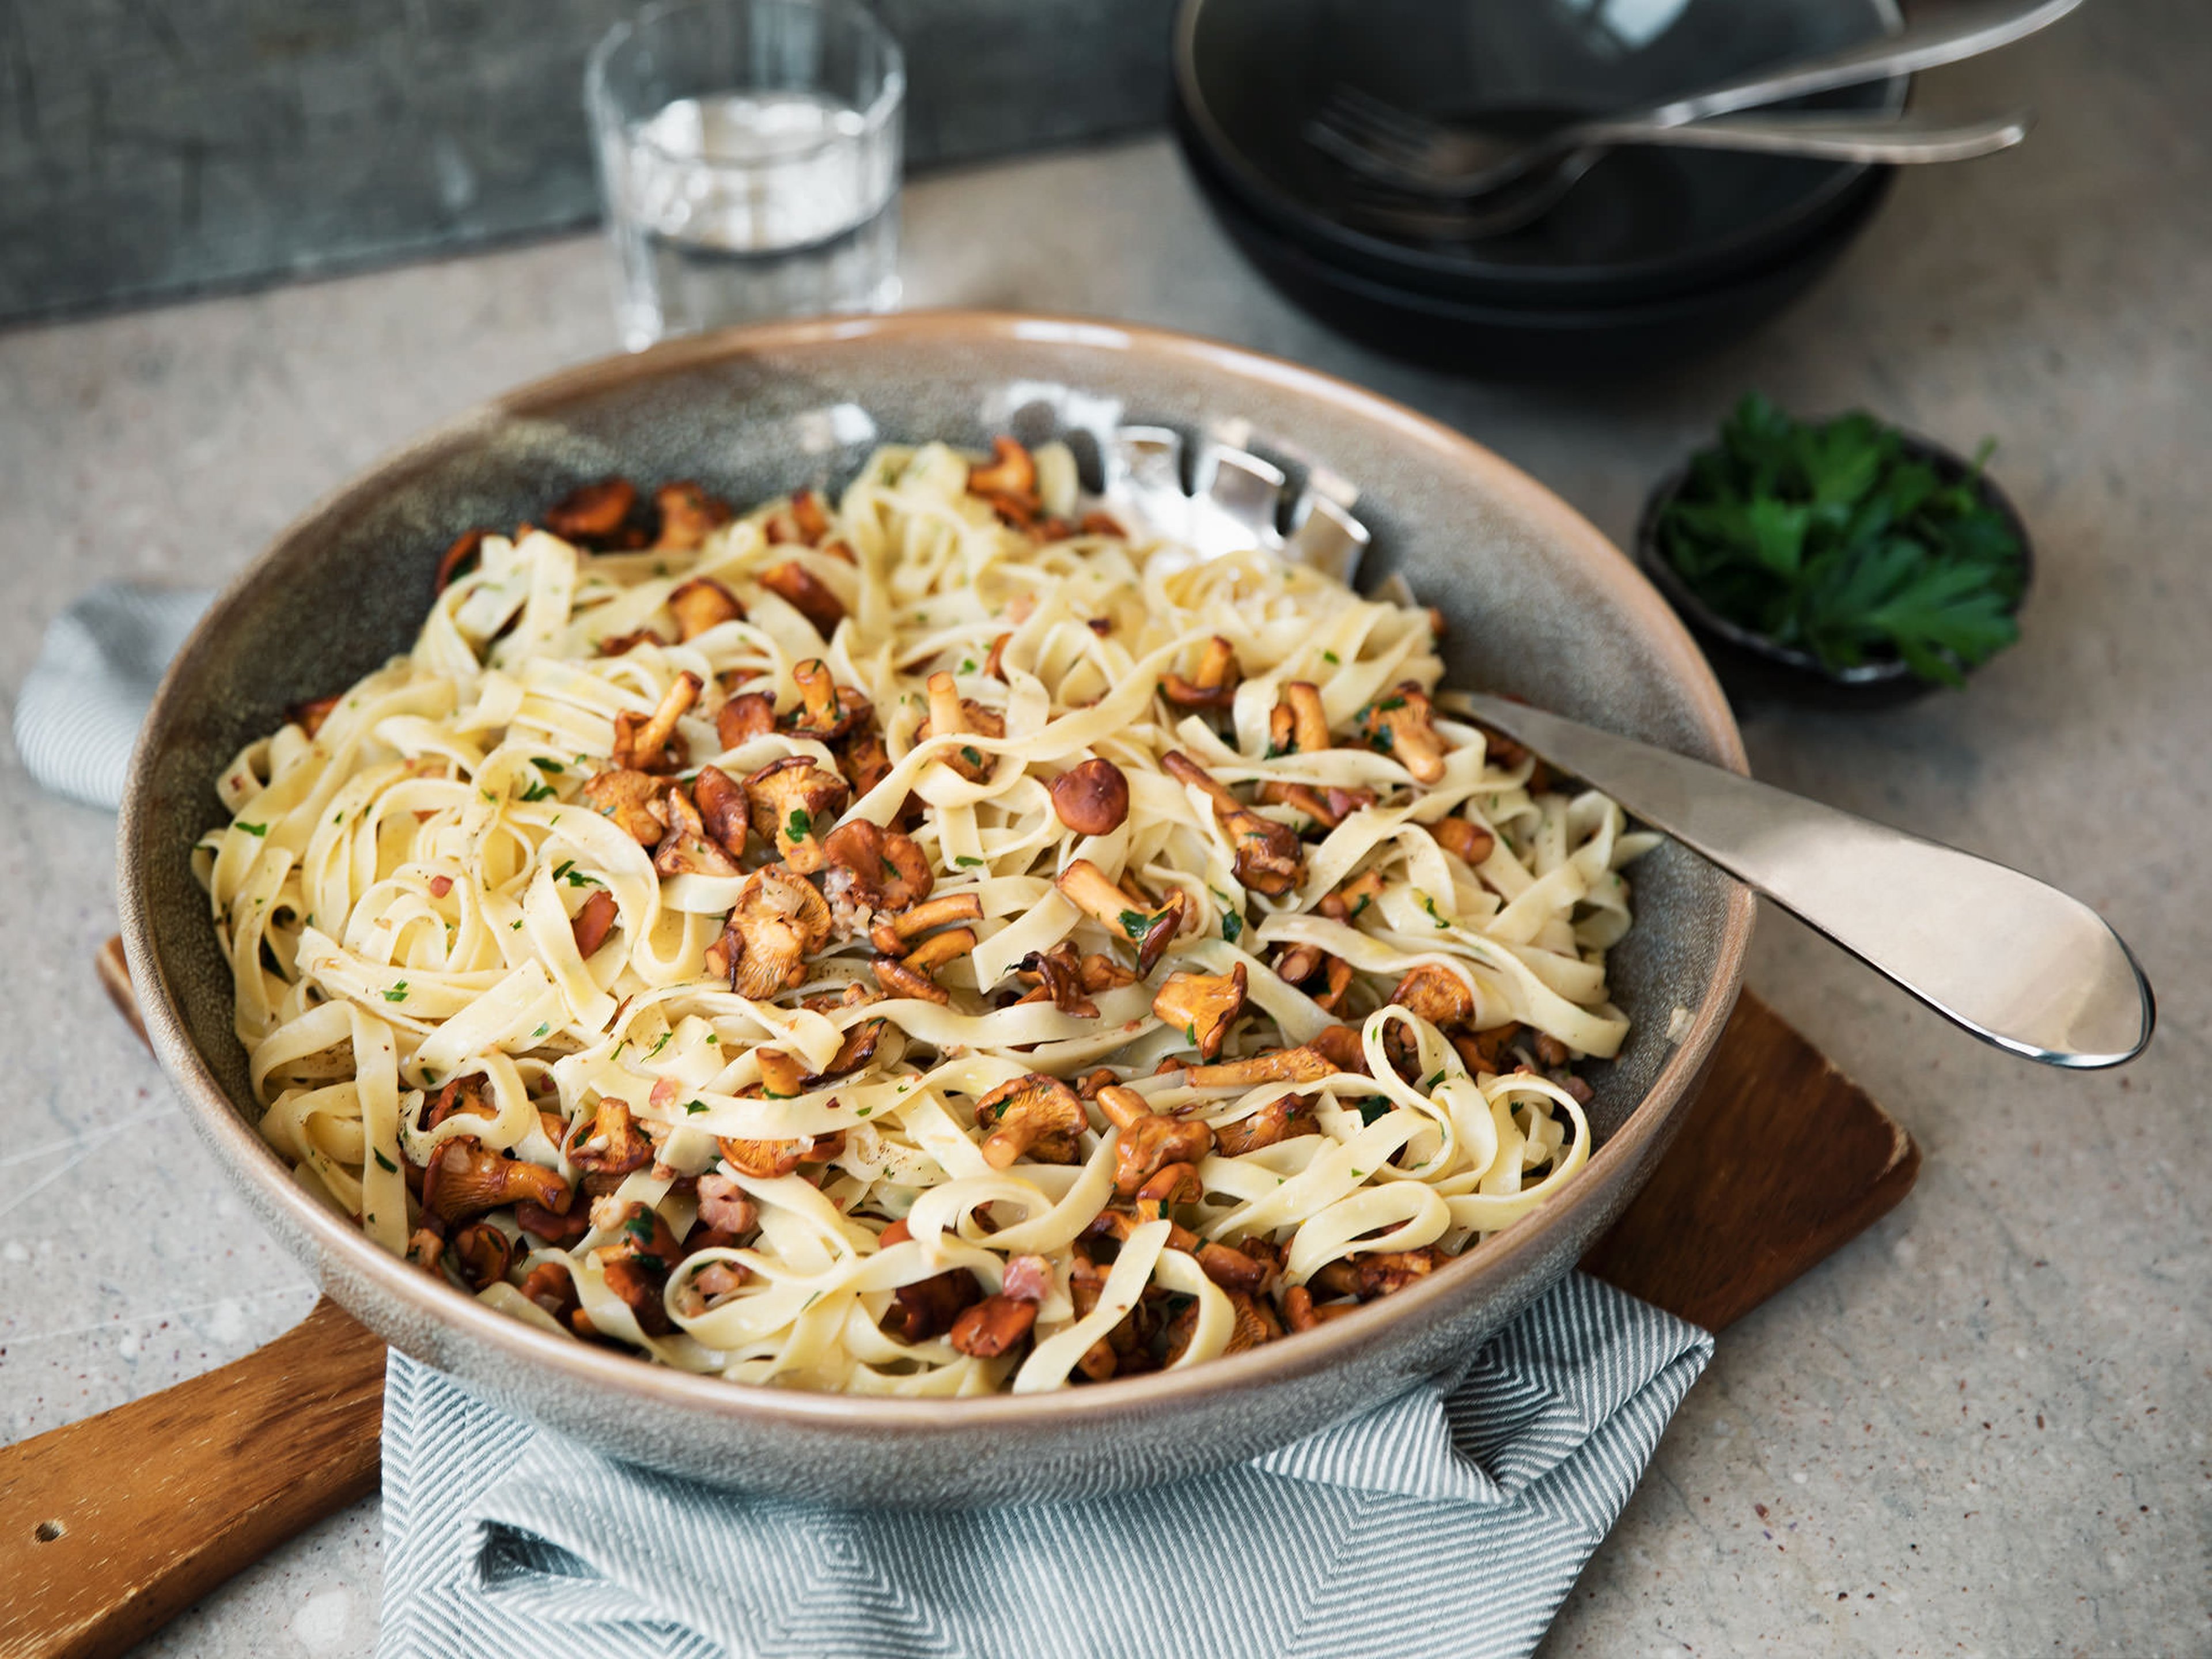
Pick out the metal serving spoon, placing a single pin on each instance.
(1410, 153)
(1904, 141)
(2011, 959)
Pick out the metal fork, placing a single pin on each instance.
(1409, 152)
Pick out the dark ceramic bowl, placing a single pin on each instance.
(1751, 665)
(1568, 339)
(1532, 594)
(1645, 222)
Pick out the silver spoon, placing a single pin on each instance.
(2011, 959)
(1410, 153)
(1904, 141)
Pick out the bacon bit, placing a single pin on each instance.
(1468, 842)
(310, 716)
(650, 743)
(804, 590)
(687, 516)
(441, 885)
(593, 514)
(1212, 686)
(592, 923)
(700, 603)
(463, 550)
(898, 1233)
(1028, 1278)
(723, 1204)
(743, 717)
(993, 1326)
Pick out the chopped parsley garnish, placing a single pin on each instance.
(799, 825)
(538, 790)
(567, 871)
(253, 829)
(384, 1163)
(640, 1227)
(515, 924)
(973, 755)
(1232, 926)
(695, 1107)
(662, 1043)
(543, 1027)
(398, 993)
(1373, 1107)
(1433, 1081)
(549, 766)
(965, 862)
(1134, 923)
(968, 664)
(1430, 905)
(1835, 539)
(1330, 657)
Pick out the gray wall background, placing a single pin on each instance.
(151, 147)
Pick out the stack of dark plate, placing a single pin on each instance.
(1656, 256)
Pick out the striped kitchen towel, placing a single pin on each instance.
(82, 704)
(1452, 1521)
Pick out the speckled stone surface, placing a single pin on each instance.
(1981, 1429)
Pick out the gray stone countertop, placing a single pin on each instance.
(1981, 1428)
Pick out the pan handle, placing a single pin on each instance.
(115, 1524)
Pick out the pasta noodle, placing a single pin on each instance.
(939, 942)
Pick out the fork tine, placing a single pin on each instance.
(1353, 125)
(1378, 115)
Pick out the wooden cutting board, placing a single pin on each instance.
(117, 1523)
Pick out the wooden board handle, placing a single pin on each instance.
(111, 1526)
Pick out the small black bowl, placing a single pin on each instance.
(1645, 221)
(1568, 339)
(1752, 666)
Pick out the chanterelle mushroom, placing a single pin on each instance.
(700, 603)
(687, 515)
(594, 514)
(778, 920)
(795, 801)
(1269, 858)
(807, 593)
(724, 812)
(1037, 1116)
(1212, 683)
(1092, 797)
(1202, 1006)
(1401, 725)
(463, 1181)
(871, 869)
(1150, 1142)
(911, 975)
(950, 712)
(648, 743)
(687, 850)
(633, 800)
(1436, 994)
(827, 711)
(1150, 931)
(1298, 724)
(743, 717)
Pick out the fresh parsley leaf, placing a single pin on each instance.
(538, 790)
(1373, 1107)
(398, 993)
(253, 829)
(1331, 658)
(1835, 539)
(384, 1163)
(966, 862)
(695, 1107)
(968, 664)
(799, 825)
(664, 1039)
(1134, 923)
(1232, 926)
(973, 755)
(549, 766)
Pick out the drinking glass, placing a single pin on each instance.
(748, 158)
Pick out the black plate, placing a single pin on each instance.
(1568, 341)
(1643, 221)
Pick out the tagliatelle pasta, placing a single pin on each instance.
(941, 943)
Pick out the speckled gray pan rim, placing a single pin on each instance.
(1538, 605)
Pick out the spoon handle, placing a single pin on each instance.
(1964, 30)
(1852, 137)
(2015, 961)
